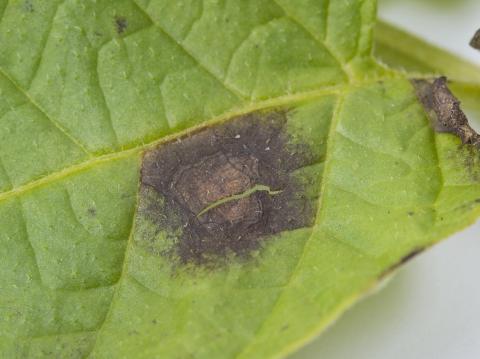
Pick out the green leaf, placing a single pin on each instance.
(124, 124)
(417, 58)
(405, 52)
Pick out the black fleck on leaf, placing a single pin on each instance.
(121, 24)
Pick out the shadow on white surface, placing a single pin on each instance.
(429, 310)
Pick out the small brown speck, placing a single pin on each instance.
(121, 24)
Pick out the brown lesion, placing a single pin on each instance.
(444, 110)
(214, 178)
(222, 162)
(475, 42)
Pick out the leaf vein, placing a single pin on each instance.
(38, 61)
(232, 90)
(332, 130)
(123, 272)
(124, 153)
(104, 102)
(29, 242)
(322, 43)
(55, 123)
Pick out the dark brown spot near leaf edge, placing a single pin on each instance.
(444, 110)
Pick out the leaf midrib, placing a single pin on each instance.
(127, 152)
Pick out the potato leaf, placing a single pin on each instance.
(207, 179)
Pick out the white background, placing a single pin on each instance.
(431, 309)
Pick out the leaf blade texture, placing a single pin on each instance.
(89, 89)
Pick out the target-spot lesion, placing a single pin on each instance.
(225, 190)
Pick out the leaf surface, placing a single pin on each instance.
(418, 58)
(92, 91)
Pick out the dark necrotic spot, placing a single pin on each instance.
(224, 190)
(214, 178)
(475, 42)
(121, 24)
(443, 109)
